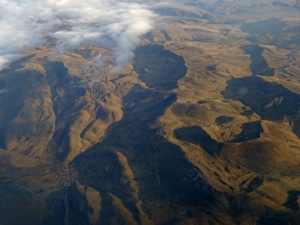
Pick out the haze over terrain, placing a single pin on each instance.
(150, 112)
(115, 25)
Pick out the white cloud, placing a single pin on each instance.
(112, 24)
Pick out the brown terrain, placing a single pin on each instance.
(203, 128)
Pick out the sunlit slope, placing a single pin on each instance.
(48, 116)
(62, 112)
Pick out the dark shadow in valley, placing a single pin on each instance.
(259, 65)
(198, 136)
(201, 102)
(223, 120)
(292, 200)
(271, 101)
(246, 113)
(255, 183)
(66, 90)
(166, 179)
(67, 206)
(211, 68)
(251, 131)
(167, 36)
(158, 68)
(296, 127)
(273, 217)
(272, 26)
